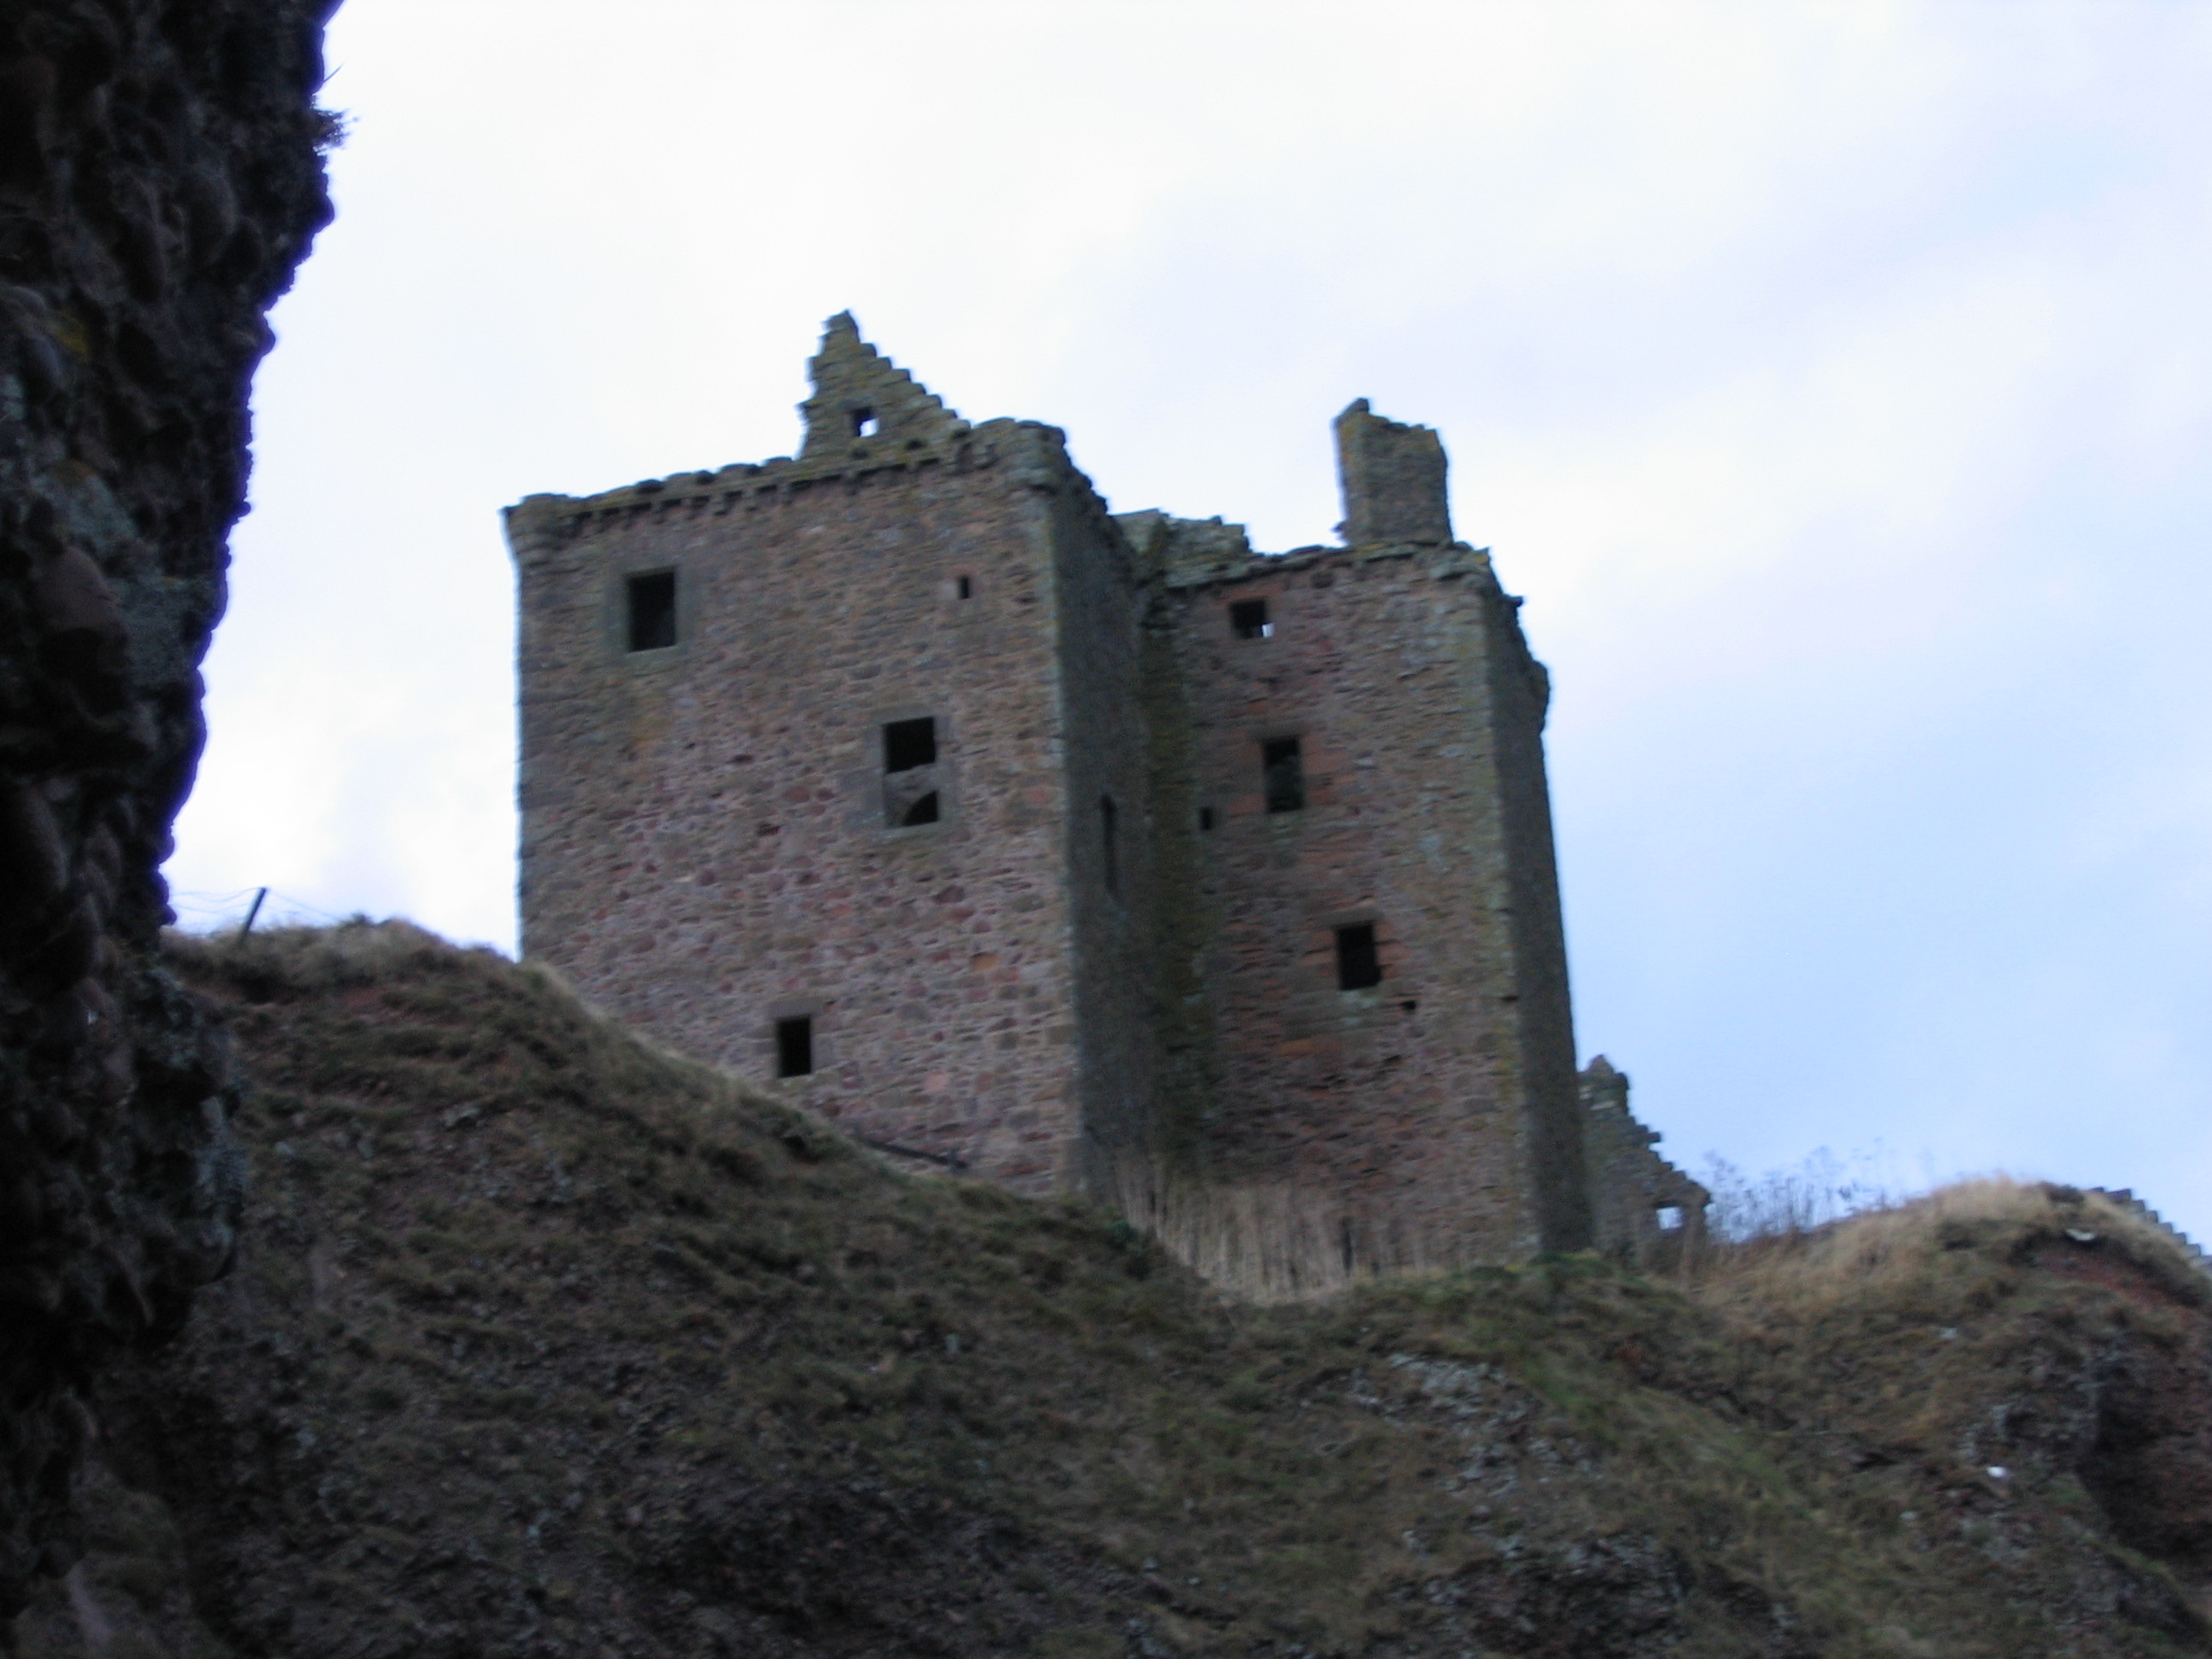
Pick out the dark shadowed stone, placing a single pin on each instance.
(159, 178)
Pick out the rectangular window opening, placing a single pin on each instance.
(1284, 774)
(794, 1047)
(1670, 1218)
(1206, 817)
(967, 587)
(1358, 966)
(652, 611)
(909, 743)
(1108, 834)
(924, 810)
(864, 423)
(1248, 618)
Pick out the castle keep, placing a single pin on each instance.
(1075, 848)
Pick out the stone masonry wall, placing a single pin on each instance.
(704, 839)
(1106, 964)
(1630, 1184)
(160, 180)
(1113, 913)
(1407, 1097)
(1525, 886)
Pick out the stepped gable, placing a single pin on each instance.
(1632, 1188)
(2125, 1198)
(865, 405)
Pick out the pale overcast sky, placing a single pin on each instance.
(1834, 380)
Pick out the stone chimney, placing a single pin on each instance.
(1393, 480)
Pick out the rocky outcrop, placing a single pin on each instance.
(160, 180)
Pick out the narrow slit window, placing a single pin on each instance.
(864, 423)
(1284, 773)
(794, 1046)
(1206, 817)
(966, 585)
(1248, 620)
(922, 811)
(1108, 840)
(1358, 966)
(909, 743)
(652, 611)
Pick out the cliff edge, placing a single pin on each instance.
(160, 180)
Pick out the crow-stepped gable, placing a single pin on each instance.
(1077, 849)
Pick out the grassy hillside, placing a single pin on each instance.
(546, 1342)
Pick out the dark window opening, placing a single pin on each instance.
(909, 743)
(653, 612)
(794, 1047)
(1284, 774)
(966, 587)
(864, 423)
(1108, 834)
(1206, 817)
(922, 811)
(1249, 618)
(1358, 966)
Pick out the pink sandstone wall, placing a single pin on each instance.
(706, 848)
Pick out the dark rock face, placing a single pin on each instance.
(159, 178)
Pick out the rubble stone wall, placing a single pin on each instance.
(1114, 894)
(707, 843)
(1641, 1207)
(159, 178)
(1105, 962)
(1410, 1098)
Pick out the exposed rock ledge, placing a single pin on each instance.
(159, 181)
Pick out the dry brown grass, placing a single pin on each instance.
(1895, 1254)
(1266, 1243)
(544, 1335)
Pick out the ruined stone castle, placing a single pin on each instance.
(1075, 848)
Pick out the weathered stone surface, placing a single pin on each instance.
(1642, 1207)
(159, 180)
(1075, 946)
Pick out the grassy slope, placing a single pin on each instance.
(548, 1343)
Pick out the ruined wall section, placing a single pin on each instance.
(705, 844)
(159, 181)
(1394, 481)
(1405, 1098)
(1631, 1186)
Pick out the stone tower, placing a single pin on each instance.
(1075, 850)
